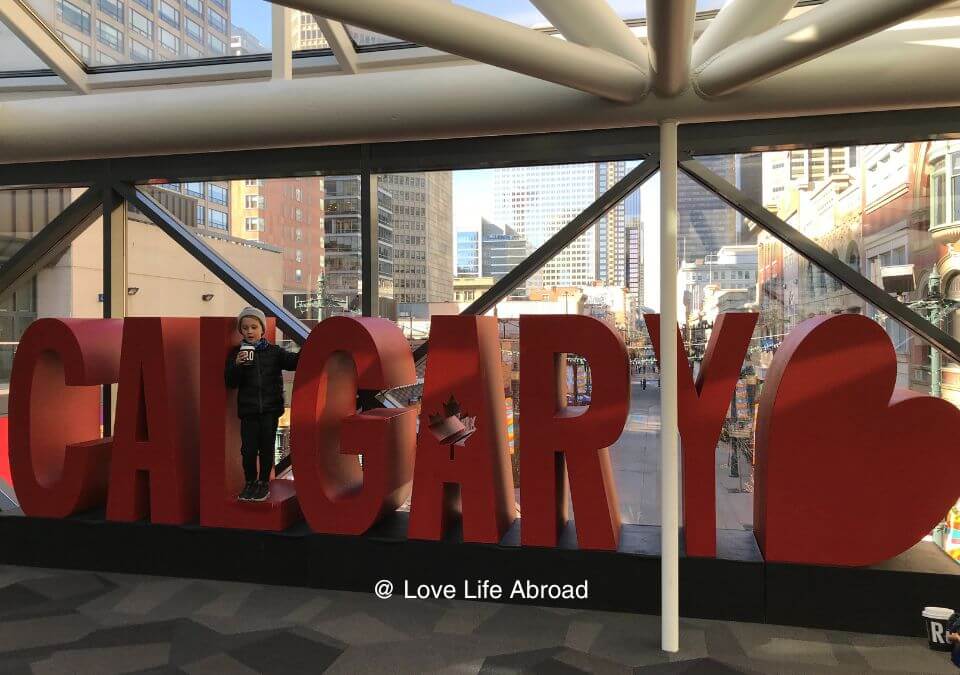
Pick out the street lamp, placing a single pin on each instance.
(899, 279)
(936, 307)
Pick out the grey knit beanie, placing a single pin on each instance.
(256, 314)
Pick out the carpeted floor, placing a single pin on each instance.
(55, 621)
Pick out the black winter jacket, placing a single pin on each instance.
(260, 384)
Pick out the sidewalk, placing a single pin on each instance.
(636, 465)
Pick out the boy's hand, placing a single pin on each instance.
(953, 637)
(239, 358)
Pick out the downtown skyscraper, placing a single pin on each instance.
(613, 241)
(422, 235)
(536, 202)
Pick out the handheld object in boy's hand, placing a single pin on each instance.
(246, 353)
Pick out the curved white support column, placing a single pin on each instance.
(593, 23)
(821, 30)
(339, 40)
(669, 417)
(910, 67)
(669, 39)
(481, 37)
(282, 61)
(738, 20)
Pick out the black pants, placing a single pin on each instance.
(258, 437)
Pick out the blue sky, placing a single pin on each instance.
(254, 16)
(472, 198)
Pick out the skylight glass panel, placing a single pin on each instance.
(16, 56)
(121, 32)
(366, 38)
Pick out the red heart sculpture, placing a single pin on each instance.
(850, 470)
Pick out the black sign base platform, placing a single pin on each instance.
(736, 586)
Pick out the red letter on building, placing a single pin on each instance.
(553, 434)
(463, 365)
(58, 460)
(341, 355)
(702, 408)
(220, 465)
(153, 472)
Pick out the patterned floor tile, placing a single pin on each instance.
(104, 661)
(581, 634)
(218, 664)
(54, 621)
(145, 597)
(72, 586)
(702, 666)
(465, 619)
(43, 632)
(591, 663)
(535, 661)
(286, 653)
(359, 629)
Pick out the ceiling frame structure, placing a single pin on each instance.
(339, 40)
(478, 83)
(26, 25)
(531, 82)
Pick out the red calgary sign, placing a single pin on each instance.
(849, 469)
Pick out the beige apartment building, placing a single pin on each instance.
(162, 279)
(111, 32)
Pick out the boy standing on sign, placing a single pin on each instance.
(255, 369)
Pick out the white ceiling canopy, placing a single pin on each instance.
(468, 73)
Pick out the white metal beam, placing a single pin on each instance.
(908, 67)
(821, 30)
(27, 26)
(738, 20)
(669, 415)
(474, 35)
(669, 39)
(339, 40)
(593, 23)
(282, 43)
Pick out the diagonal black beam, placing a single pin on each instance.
(550, 248)
(52, 240)
(206, 256)
(536, 260)
(812, 251)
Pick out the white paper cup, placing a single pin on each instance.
(247, 351)
(935, 620)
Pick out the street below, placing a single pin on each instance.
(636, 464)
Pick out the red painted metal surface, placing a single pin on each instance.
(464, 363)
(564, 449)
(850, 470)
(341, 355)
(154, 471)
(221, 470)
(702, 407)
(58, 461)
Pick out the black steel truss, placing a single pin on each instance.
(550, 248)
(113, 182)
(814, 253)
(709, 138)
(291, 326)
(52, 240)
